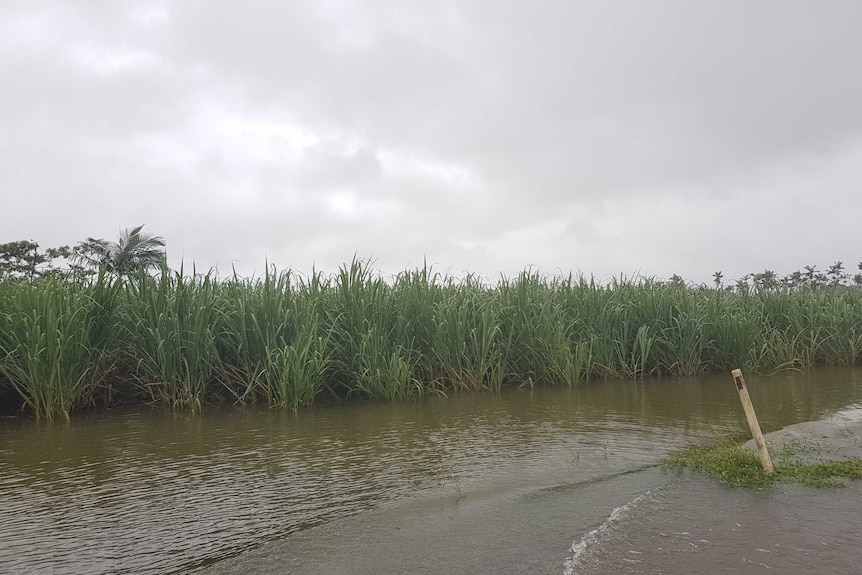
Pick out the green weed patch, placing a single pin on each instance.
(740, 467)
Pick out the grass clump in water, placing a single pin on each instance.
(728, 462)
(740, 467)
(824, 474)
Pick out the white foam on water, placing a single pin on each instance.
(582, 545)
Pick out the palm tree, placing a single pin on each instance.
(134, 252)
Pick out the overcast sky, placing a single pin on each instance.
(606, 137)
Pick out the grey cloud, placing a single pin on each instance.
(571, 93)
(598, 135)
(326, 166)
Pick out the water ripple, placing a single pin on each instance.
(147, 493)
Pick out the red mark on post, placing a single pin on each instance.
(739, 384)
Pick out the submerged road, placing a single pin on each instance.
(648, 522)
(530, 533)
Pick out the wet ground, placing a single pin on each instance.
(833, 438)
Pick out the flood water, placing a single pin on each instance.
(524, 481)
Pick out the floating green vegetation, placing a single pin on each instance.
(740, 467)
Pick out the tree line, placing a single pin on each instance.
(136, 251)
(133, 252)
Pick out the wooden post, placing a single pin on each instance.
(762, 451)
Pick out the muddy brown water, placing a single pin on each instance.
(524, 481)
